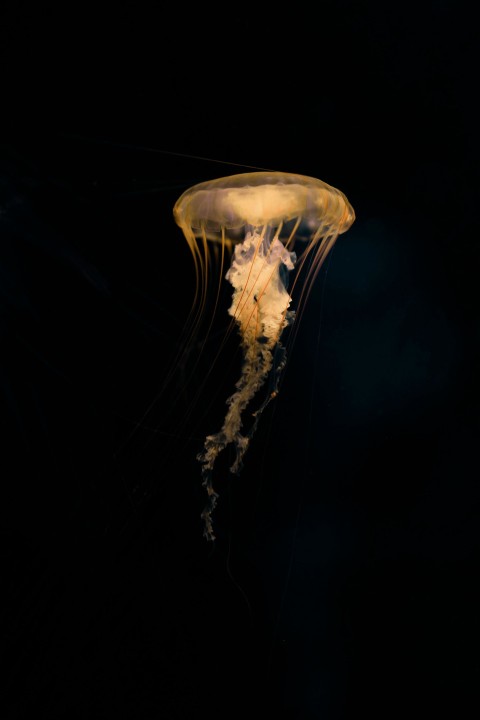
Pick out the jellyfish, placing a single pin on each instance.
(268, 224)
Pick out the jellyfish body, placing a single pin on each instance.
(264, 218)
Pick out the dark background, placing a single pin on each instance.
(344, 578)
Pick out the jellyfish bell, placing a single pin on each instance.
(227, 206)
(263, 220)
